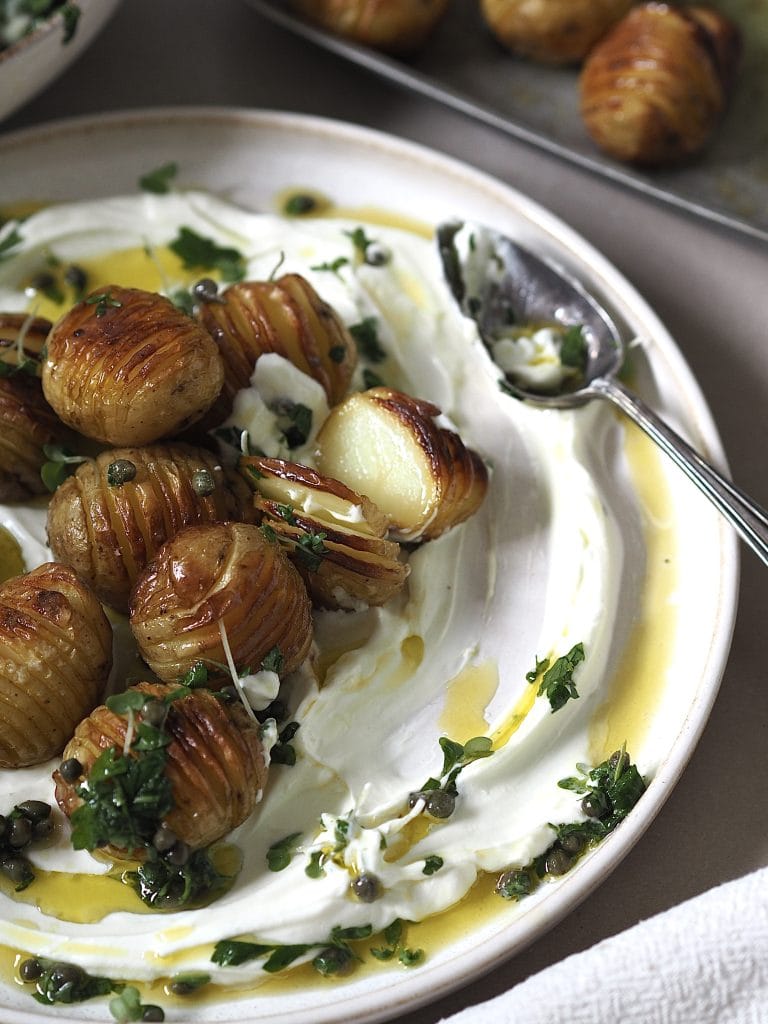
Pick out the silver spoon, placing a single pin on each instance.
(498, 283)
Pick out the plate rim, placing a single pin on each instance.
(407, 991)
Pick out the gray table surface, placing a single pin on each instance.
(709, 287)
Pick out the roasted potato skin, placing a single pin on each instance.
(215, 762)
(395, 25)
(27, 422)
(357, 563)
(226, 573)
(126, 367)
(457, 476)
(285, 316)
(55, 657)
(653, 90)
(109, 533)
(552, 31)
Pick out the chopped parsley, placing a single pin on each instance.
(300, 204)
(371, 379)
(159, 180)
(197, 252)
(127, 1006)
(332, 266)
(557, 680)
(310, 549)
(432, 864)
(393, 935)
(281, 852)
(366, 336)
(299, 419)
(337, 353)
(68, 983)
(573, 349)
(70, 14)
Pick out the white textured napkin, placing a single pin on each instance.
(703, 962)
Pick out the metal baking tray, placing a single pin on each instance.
(464, 67)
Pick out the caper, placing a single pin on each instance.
(42, 829)
(277, 710)
(366, 887)
(513, 884)
(71, 769)
(34, 810)
(164, 839)
(572, 843)
(440, 804)
(65, 976)
(593, 806)
(76, 277)
(182, 987)
(152, 1013)
(179, 854)
(558, 862)
(377, 255)
(206, 290)
(43, 281)
(16, 869)
(414, 798)
(332, 960)
(299, 203)
(203, 482)
(228, 693)
(19, 833)
(30, 970)
(120, 472)
(154, 712)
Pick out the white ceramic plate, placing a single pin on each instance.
(250, 157)
(35, 60)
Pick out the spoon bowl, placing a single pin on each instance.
(504, 287)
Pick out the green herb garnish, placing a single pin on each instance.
(573, 349)
(70, 14)
(432, 864)
(159, 180)
(371, 379)
(366, 336)
(333, 266)
(557, 682)
(60, 464)
(103, 301)
(197, 252)
(68, 983)
(280, 853)
(127, 1006)
(310, 549)
(10, 240)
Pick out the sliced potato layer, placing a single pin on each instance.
(396, 25)
(27, 422)
(215, 762)
(55, 657)
(126, 366)
(22, 338)
(335, 537)
(386, 445)
(226, 573)
(108, 530)
(287, 317)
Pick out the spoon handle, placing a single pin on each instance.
(746, 516)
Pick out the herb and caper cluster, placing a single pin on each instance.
(609, 791)
(29, 822)
(60, 982)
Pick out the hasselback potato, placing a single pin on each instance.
(386, 445)
(215, 762)
(335, 537)
(27, 423)
(396, 25)
(285, 316)
(553, 31)
(226, 573)
(55, 657)
(125, 366)
(108, 530)
(653, 89)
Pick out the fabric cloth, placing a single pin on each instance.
(704, 962)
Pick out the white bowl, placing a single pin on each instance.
(36, 59)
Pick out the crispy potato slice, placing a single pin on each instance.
(109, 532)
(336, 538)
(126, 367)
(653, 89)
(552, 31)
(386, 445)
(55, 657)
(225, 573)
(215, 763)
(285, 316)
(396, 25)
